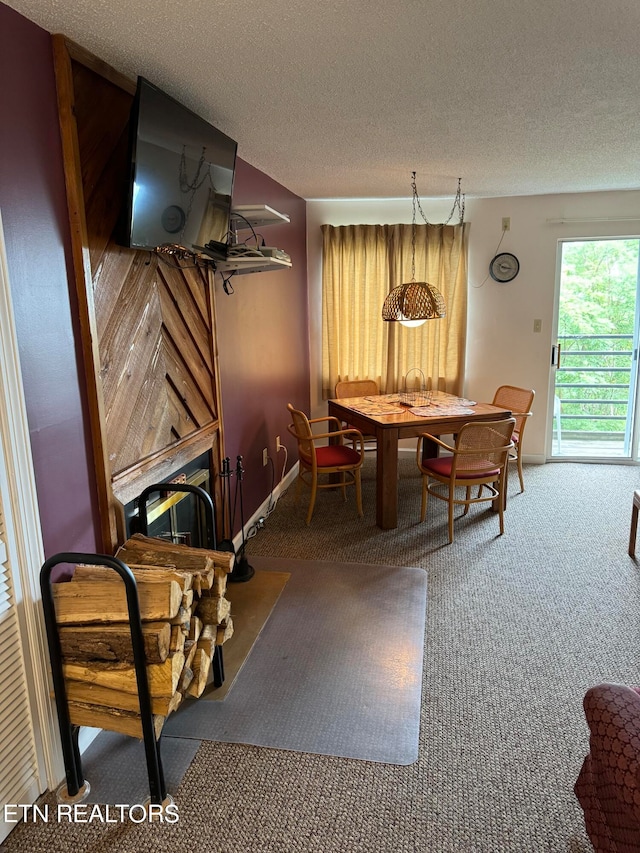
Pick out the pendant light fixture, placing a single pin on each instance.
(414, 303)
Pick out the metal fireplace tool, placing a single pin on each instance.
(242, 571)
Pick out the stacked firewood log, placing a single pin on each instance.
(184, 613)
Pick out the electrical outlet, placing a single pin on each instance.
(506, 223)
(265, 457)
(278, 445)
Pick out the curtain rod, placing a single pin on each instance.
(595, 219)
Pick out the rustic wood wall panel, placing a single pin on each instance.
(154, 344)
(154, 402)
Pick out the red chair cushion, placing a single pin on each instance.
(332, 455)
(441, 465)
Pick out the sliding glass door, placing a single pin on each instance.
(595, 357)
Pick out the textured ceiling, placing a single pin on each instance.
(345, 98)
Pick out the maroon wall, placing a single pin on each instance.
(263, 342)
(263, 337)
(34, 214)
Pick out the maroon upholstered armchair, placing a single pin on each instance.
(608, 787)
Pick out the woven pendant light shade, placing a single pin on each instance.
(414, 303)
(417, 300)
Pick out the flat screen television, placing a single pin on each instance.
(181, 177)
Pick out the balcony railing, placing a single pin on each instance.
(594, 387)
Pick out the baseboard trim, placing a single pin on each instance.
(534, 459)
(263, 509)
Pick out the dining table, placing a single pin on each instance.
(391, 417)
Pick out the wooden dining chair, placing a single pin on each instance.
(320, 459)
(480, 457)
(519, 402)
(358, 388)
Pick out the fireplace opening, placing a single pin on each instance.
(178, 517)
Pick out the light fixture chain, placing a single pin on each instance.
(413, 303)
(413, 229)
(191, 187)
(458, 204)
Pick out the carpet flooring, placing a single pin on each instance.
(519, 626)
(336, 670)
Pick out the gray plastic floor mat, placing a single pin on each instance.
(116, 768)
(336, 670)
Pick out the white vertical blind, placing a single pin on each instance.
(19, 776)
(28, 752)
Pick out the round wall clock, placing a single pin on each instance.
(173, 219)
(504, 267)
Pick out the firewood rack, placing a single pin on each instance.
(209, 509)
(76, 787)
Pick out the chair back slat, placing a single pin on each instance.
(301, 429)
(517, 400)
(483, 445)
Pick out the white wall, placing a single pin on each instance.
(502, 347)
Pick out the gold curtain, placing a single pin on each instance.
(360, 265)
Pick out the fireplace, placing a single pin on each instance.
(176, 516)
